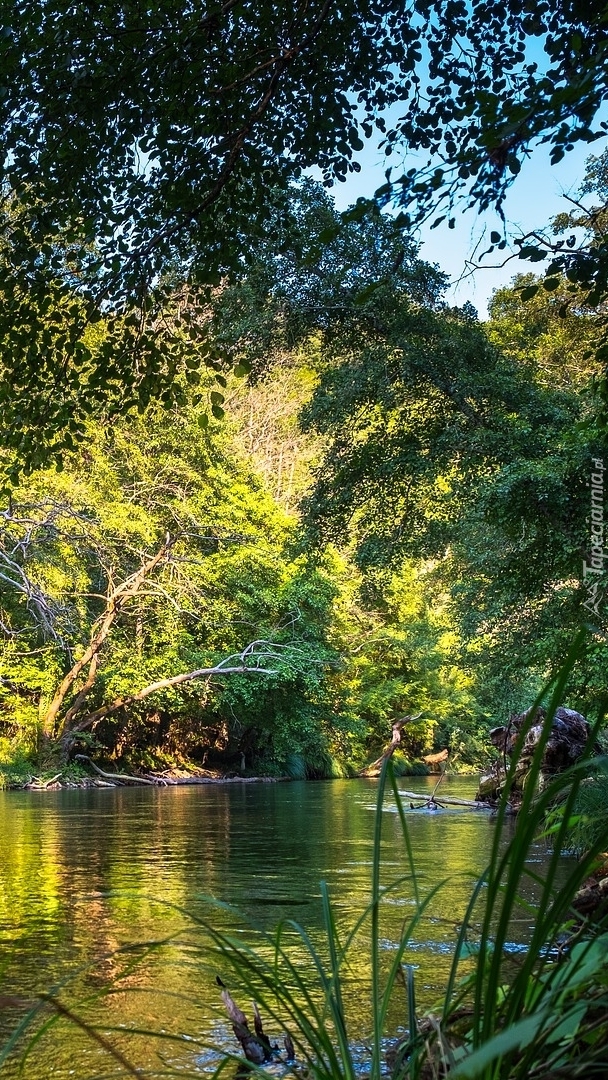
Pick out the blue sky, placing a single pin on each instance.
(536, 196)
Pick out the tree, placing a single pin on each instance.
(440, 447)
(438, 439)
(502, 78)
(142, 147)
(550, 334)
(132, 582)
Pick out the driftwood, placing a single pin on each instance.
(36, 784)
(436, 759)
(119, 778)
(568, 737)
(255, 1044)
(375, 767)
(591, 900)
(445, 799)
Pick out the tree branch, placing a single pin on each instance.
(224, 667)
(375, 767)
(115, 602)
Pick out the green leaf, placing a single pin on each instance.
(363, 296)
(512, 1038)
(529, 292)
(532, 253)
(327, 235)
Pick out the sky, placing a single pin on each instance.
(537, 195)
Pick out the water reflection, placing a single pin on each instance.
(84, 874)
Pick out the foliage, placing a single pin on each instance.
(442, 448)
(589, 823)
(574, 285)
(433, 437)
(70, 537)
(342, 667)
(502, 78)
(554, 345)
(129, 168)
(135, 177)
(399, 653)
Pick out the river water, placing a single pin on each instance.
(85, 874)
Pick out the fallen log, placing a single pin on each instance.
(120, 778)
(447, 799)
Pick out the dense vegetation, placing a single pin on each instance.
(390, 520)
(137, 137)
(263, 490)
(392, 517)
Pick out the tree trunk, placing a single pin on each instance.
(116, 600)
(375, 768)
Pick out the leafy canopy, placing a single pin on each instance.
(144, 146)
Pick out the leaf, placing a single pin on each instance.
(327, 235)
(363, 296)
(529, 292)
(512, 1038)
(532, 253)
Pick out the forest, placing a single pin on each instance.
(273, 507)
(264, 490)
(366, 503)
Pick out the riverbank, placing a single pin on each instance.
(168, 778)
(83, 772)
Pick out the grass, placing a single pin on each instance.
(544, 1018)
(590, 811)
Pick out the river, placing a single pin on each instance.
(84, 874)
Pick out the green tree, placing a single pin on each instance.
(441, 447)
(145, 147)
(151, 558)
(548, 333)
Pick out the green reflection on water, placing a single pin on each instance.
(84, 873)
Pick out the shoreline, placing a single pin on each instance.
(86, 783)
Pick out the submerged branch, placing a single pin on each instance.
(375, 768)
(448, 800)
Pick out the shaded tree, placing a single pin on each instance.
(145, 147)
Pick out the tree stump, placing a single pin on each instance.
(567, 740)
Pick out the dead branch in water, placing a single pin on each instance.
(375, 768)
